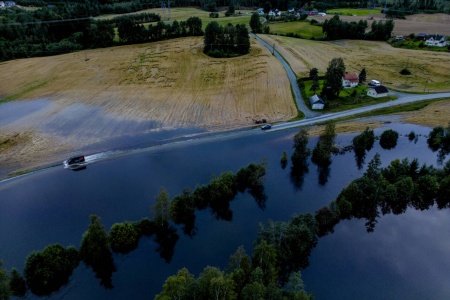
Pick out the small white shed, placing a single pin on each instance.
(378, 92)
(316, 102)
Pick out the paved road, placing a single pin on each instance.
(293, 79)
(404, 98)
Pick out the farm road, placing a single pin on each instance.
(293, 80)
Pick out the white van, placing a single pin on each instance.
(374, 83)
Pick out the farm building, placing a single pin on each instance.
(436, 41)
(350, 80)
(421, 37)
(316, 102)
(378, 92)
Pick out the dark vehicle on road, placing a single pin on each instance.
(74, 161)
(266, 126)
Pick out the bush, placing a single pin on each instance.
(405, 71)
(411, 135)
(388, 139)
(123, 237)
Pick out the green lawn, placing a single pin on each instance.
(353, 11)
(301, 28)
(346, 101)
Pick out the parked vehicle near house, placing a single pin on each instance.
(374, 83)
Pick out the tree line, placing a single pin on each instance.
(226, 41)
(47, 32)
(335, 29)
(46, 271)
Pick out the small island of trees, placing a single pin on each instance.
(228, 41)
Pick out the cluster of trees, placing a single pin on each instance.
(388, 139)
(392, 189)
(48, 270)
(335, 29)
(132, 31)
(332, 84)
(246, 277)
(226, 41)
(363, 143)
(49, 31)
(321, 154)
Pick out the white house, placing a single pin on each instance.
(436, 41)
(350, 80)
(378, 92)
(2, 4)
(316, 102)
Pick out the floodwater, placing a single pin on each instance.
(405, 258)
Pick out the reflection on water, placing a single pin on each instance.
(54, 206)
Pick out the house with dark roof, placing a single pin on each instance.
(436, 41)
(10, 3)
(421, 37)
(378, 92)
(350, 80)
(316, 102)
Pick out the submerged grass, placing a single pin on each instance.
(32, 86)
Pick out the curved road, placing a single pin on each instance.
(293, 79)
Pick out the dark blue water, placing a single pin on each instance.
(406, 257)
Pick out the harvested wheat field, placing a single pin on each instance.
(92, 96)
(419, 23)
(430, 71)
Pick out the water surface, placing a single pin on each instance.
(53, 206)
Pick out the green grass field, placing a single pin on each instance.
(353, 11)
(184, 13)
(301, 28)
